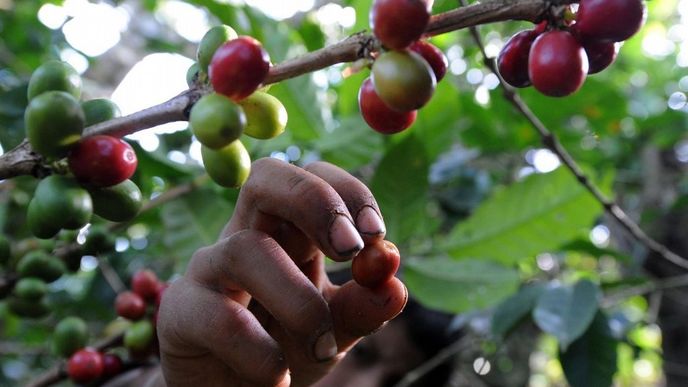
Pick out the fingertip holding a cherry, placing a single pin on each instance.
(370, 224)
(344, 238)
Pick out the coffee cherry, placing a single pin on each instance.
(554, 54)
(375, 264)
(98, 240)
(192, 74)
(600, 55)
(85, 366)
(397, 23)
(112, 365)
(99, 110)
(214, 38)
(130, 306)
(433, 55)
(229, 166)
(118, 203)
(139, 336)
(39, 264)
(70, 335)
(54, 121)
(512, 61)
(30, 288)
(28, 308)
(266, 117)
(378, 115)
(238, 67)
(403, 80)
(5, 250)
(54, 75)
(609, 20)
(102, 160)
(58, 202)
(145, 283)
(216, 121)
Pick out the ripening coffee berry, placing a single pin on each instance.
(54, 121)
(375, 264)
(145, 283)
(216, 120)
(112, 365)
(609, 20)
(229, 166)
(213, 38)
(433, 55)
(54, 75)
(403, 80)
(130, 305)
(600, 55)
(102, 160)
(378, 115)
(85, 365)
(557, 64)
(512, 61)
(238, 67)
(397, 23)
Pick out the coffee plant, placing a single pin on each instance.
(548, 219)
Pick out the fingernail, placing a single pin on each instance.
(325, 347)
(369, 222)
(344, 237)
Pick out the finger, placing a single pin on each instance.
(258, 264)
(194, 320)
(358, 311)
(358, 198)
(291, 194)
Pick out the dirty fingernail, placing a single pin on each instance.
(369, 222)
(344, 237)
(325, 347)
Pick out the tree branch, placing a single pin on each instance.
(551, 142)
(23, 161)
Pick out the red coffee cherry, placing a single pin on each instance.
(600, 55)
(397, 23)
(85, 365)
(557, 64)
(145, 283)
(403, 80)
(112, 365)
(609, 20)
(130, 305)
(433, 55)
(238, 67)
(102, 160)
(378, 115)
(375, 264)
(512, 61)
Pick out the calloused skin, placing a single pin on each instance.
(257, 308)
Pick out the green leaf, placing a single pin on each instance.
(400, 185)
(512, 310)
(458, 286)
(567, 311)
(193, 221)
(350, 145)
(590, 361)
(534, 215)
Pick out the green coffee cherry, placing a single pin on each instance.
(28, 308)
(39, 264)
(266, 117)
(192, 74)
(59, 202)
(213, 39)
(30, 288)
(54, 75)
(216, 121)
(139, 336)
(118, 203)
(54, 121)
(229, 166)
(99, 110)
(5, 250)
(71, 334)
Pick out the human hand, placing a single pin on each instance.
(256, 308)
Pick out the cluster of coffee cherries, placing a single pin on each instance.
(556, 57)
(139, 307)
(99, 167)
(404, 77)
(84, 364)
(31, 268)
(236, 66)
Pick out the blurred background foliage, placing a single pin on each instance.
(490, 226)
